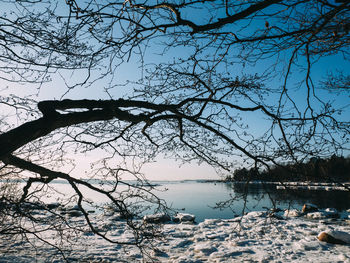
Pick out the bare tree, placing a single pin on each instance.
(208, 70)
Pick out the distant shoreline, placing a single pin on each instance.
(342, 186)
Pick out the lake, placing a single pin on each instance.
(201, 197)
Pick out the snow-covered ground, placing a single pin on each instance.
(254, 237)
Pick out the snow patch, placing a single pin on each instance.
(254, 237)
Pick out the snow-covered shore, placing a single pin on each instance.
(303, 185)
(285, 236)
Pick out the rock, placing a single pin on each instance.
(276, 213)
(332, 213)
(307, 208)
(120, 216)
(180, 217)
(157, 218)
(254, 215)
(334, 237)
(275, 210)
(316, 215)
(292, 213)
(321, 214)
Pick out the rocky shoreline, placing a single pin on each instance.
(265, 236)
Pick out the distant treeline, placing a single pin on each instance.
(334, 169)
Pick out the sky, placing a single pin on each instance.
(167, 169)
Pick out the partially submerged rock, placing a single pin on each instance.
(307, 208)
(311, 211)
(292, 213)
(157, 218)
(334, 237)
(181, 217)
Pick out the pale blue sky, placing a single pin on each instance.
(166, 169)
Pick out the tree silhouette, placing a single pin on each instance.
(208, 70)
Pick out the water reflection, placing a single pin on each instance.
(231, 199)
(218, 199)
(323, 199)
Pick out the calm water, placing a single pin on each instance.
(200, 198)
